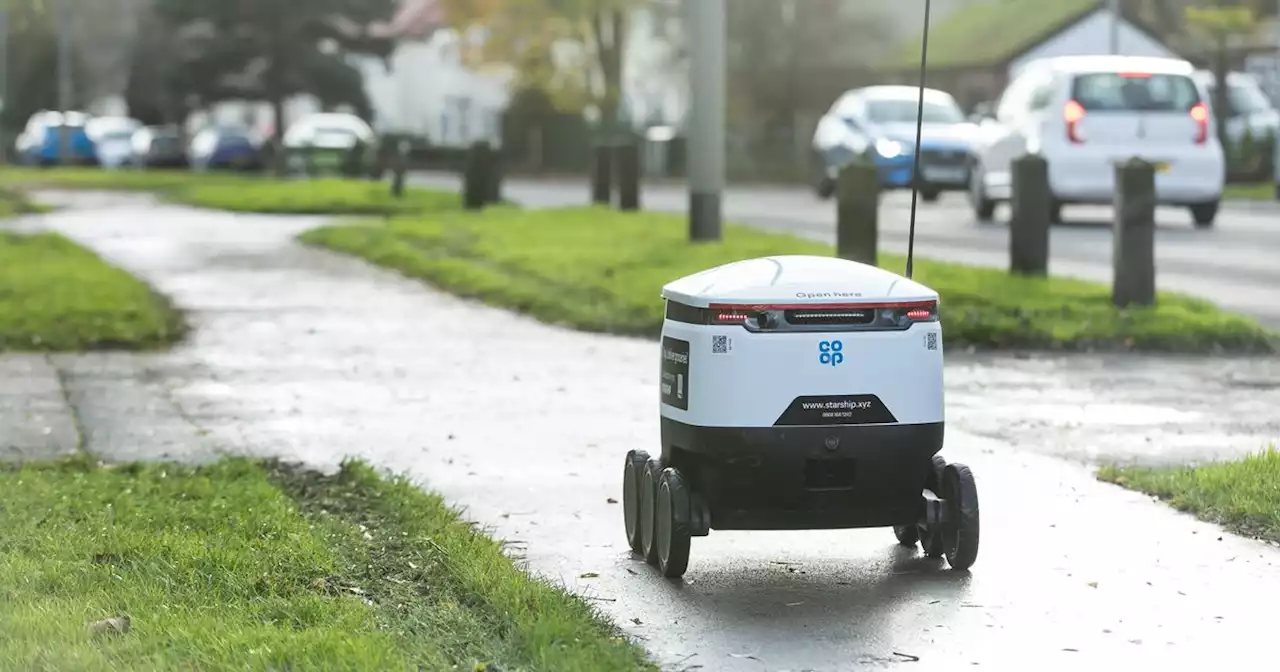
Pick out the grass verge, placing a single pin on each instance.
(250, 565)
(242, 193)
(1242, 495)
(58, 296)
(600, 270)
(12, 203)
(1264, 191)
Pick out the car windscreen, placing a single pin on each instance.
(1134, 92)
(889, 111)
(1247, 99)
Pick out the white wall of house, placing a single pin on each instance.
(1092, 35)
(427, 91)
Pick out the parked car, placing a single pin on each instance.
(112, 139)
(881, 120)
(225, 148)
(158, 147)
(1084, 114)
(325, 142)
(41, 144)
(1248, 106)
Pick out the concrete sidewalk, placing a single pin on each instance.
(306, 355)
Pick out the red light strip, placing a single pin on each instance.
(758, 307)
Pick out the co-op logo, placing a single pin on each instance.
(830, 352)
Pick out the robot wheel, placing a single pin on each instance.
(632, 482)
(956, 539)
(660, 512)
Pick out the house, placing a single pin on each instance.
(976, 50)
(425, 89)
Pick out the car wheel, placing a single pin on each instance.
(1204, 214)
(983, 208)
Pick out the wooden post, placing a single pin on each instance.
(858, 212)
(476, 175)
(628, 155)
(1032, 210)
(602, 175)
(1135, 229)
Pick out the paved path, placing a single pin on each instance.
(1231, 264)
(307, 355)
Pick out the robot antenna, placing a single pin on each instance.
(915, 171)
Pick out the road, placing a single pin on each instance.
(311, 356)
(1233, 264)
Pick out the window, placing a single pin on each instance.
(1042, 95)
(904, 111)
(1134, 92)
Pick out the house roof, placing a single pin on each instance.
(992, 32)
(413, 20)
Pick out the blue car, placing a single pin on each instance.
(40, 142)
(225, 148)
(880, 121)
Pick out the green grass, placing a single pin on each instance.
(12, 203)
(242, 193)
(988, 32)
(246, 565)
(58, 296)
(600, 270)
(1242, 495)
(1264, 191)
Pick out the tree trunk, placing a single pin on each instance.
(610, 28)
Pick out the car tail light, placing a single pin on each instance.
(1072, 113)
(1200, 113)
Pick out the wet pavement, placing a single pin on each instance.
(308, 355)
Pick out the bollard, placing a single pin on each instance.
(628, 155)
(858, 212)
(476, 176)
(399, 164)
(601, 176)
(493, 185)
(1032, 212)
(1135, 229)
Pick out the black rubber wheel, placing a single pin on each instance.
(648, 509)
(960, 534)
(672, 524)
(1204, 214)
(631, 472)
(930, 195)
(825, 188)
(907, 535)
(984, 209)
(933, 480)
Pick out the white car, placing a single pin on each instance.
(1085, 114)
(112, 139)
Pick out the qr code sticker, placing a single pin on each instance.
(720, 345)
(931, 341)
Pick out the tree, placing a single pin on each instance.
(273, 49)
(571, 49)
(1219, 26)
(32, 63)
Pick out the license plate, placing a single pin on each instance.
(936, 174)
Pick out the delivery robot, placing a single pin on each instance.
(799, 392)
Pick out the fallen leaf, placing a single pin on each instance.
(907, 656)
(1093, 584)
(588, 575)
(611, 500)
(743, 655)
(636, 621)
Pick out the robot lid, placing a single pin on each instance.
(794, 280)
